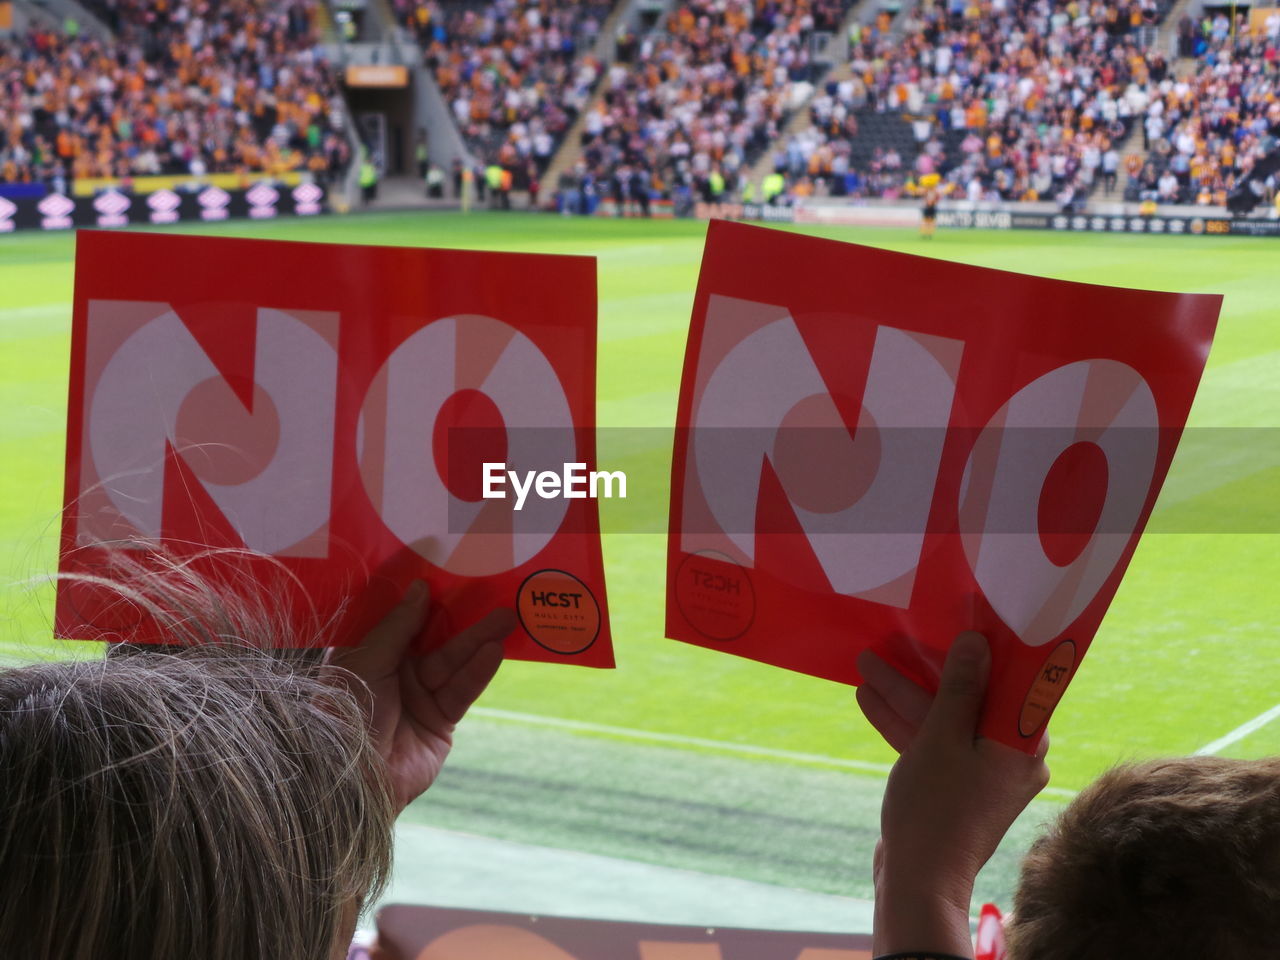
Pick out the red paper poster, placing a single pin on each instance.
(331, 408)
(882, 450)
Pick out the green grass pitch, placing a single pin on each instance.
(687, 758)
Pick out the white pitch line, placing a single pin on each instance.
(652, 736)
(1239, 733)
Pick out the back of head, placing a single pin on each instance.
(1170, 858)
(211, 803)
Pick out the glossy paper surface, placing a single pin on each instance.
(877, 449)
(304, 401)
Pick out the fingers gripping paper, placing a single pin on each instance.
(324, 412)
(875, 449)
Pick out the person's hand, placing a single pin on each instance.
(414, 702)
(950, 799)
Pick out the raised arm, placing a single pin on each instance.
(415, 702)
(950, 799)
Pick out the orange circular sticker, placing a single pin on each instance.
(1048, 688)
(715, 595)
(558, 611)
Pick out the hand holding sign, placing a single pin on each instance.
(414, 702)
(950, 799)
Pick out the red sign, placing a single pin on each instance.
(305, 401)
(883, 450)
(434, 933)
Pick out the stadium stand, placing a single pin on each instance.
(1211, 128)
(1005, 99)
(184, 88)
(515, 73)
(687, 108)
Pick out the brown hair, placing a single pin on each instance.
(212, 801)
(1169, 858)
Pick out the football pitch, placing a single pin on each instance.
(688, 760)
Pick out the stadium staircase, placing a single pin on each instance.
(1167, 39)
(570, 149)
(1166, 42)
(1131, 144)
(325, 26)
(1167, 33)
(387, 43)
(28, 16)
(90, 24)
(860, 11)
(380, 24)
(800, 120)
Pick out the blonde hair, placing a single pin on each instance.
(211, 801)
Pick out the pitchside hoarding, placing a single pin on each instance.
(299, 400)
(1008, 217)
(882, 450)
(117, 208)
(434, 933)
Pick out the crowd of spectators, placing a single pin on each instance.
(200, 87)
(1206, 132)
(1004, 99)
(1018, 100)
(515, 73)
(688, 107)
(1007, 99)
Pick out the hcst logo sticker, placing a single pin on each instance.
(559, 611)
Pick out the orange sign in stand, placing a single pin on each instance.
(882, 450)
(327, 411)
